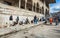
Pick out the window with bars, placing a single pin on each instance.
(29, 5)
(42, 10)
(37, 8)
(23, 4)
(47, 12)
(34, 7)
(8, 3)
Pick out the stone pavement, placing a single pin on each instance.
(45, 31)
(11, 29)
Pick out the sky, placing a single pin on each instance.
(55, 7)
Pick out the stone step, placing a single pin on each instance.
(11, 29)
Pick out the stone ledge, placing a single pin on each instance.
(10, 30)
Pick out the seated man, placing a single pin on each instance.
(27, 21)
(21, 22)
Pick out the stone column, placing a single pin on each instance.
(25, 4)
(44, 8)
(32, 6)
(39, 9)
(19, 3)
(35, 7)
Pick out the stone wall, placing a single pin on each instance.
(7, 10)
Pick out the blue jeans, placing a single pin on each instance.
(35, 21)
(56, 23)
